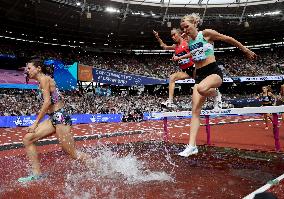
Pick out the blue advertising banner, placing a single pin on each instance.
(192, 81)
(261, 78)
(249, 102)
(123, 79)
(10, 56)
(89, 118)
(65, 76)
(14, 121)
(147, 116)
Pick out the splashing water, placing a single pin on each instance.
(128, 167)
(110, 172)
(110, 165)
(168, 157)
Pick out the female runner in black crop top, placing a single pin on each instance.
(267, 99)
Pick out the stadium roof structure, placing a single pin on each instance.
(128, 24)
(197, 3)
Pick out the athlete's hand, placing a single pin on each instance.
(175, 58)
(156, 34)
(251, 55)
(32, 128)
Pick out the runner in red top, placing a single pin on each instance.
(186, 65)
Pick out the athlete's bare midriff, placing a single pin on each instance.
(205, 62)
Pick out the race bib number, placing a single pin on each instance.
(184, 61)
(198, 54)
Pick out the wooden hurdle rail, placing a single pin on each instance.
(274, 110)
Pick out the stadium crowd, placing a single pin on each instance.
(270, 61)
(161, 66)
(26, 102)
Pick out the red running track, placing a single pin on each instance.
(244, 135)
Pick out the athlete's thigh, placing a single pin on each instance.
(66, 139)
(211, 81)
(181, 75)
(44, 129)
(64, 134)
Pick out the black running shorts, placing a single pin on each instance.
(205, 71)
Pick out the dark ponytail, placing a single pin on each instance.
(45, 69)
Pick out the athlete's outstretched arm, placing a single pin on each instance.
(162, 44)
(176, 58)
(213, 35)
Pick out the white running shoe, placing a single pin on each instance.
(168, 104)
(189, 150)
(218, 101)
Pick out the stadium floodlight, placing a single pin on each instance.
(135, 13)
(273, 13)
(254, 15)
(112, 10)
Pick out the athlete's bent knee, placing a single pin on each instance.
(202, 89)
(173, 78)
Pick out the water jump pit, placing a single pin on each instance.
(144, 170)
